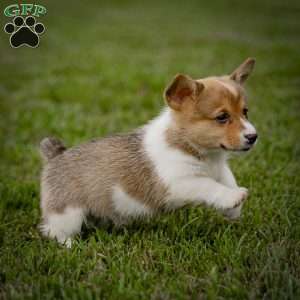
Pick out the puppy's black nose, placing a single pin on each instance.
(251, 138)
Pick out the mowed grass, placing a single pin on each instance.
(101, 68)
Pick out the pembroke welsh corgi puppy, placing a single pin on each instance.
(178, 158)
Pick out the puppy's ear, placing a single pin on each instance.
(241, 74)
(181, 89)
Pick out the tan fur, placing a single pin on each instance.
(84, 177)
(51, 147)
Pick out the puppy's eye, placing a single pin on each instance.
(245, 112)
(222, 118)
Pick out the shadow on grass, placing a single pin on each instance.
(201, 223)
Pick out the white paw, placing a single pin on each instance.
(243, 195)
(234, 197)
(67, 242)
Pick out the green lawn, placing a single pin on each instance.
(101, 68)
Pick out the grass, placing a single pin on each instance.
(100, 69)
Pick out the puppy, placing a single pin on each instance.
(178, 158)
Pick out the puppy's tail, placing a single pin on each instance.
(51, 147)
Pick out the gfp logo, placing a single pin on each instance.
(24, 30)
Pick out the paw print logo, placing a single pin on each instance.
(24, 32)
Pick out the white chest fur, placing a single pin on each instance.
(174, 166)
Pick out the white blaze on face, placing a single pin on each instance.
(248, 128)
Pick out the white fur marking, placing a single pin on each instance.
(248, 127)
(126, 205)
(63, 226)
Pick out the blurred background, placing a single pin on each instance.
(101, 68)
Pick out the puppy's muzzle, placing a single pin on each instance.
(250, 138)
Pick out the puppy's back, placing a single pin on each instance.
(85, 176)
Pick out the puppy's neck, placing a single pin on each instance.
(176, 139)
(166, 128)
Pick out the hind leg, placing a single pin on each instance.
(63, 226)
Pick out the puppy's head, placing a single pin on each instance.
(212, 113)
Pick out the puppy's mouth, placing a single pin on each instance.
(237, 150)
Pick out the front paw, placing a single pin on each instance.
(242, 196)
(234, 198)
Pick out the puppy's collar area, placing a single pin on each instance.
(193, 149)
